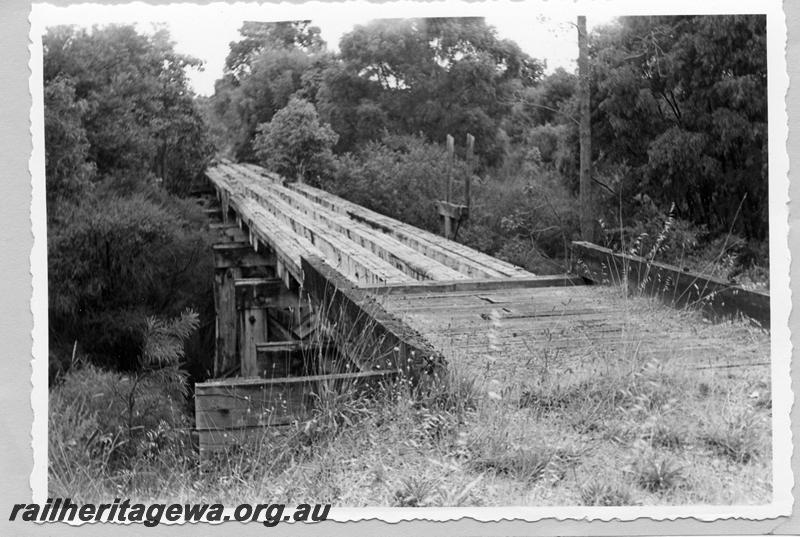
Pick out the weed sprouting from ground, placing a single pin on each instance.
(622, 425)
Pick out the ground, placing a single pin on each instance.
(642, 419)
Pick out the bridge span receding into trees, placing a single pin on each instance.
(300, 271)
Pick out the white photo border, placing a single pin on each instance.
(781, 348)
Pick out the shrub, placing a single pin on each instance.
(738, 436)
(657, 474)
(113, 261)
(295, 143)
(604, 493)
(103, 422)
(401, 177)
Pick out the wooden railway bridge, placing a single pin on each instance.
(312, 290)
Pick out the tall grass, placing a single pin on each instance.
(619, 427)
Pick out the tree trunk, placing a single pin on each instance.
(587, 208)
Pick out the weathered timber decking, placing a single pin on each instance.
(515, 332)
(366, 247)
(674, 286)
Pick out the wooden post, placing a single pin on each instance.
(253, 296)
(226, 207)
(587, 218)
(448, 221)
(449, 211)
(451, 151)
(225, 299)
(468, 178)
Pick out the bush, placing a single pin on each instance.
(295, 143)
(528, 218)
(103, 422)
(401, 177)
(113, 261)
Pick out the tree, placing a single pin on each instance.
(122, 135)
(260, 36)
(682, 104)
(435, 76)
(68, 171)
(114, 260)
(270, 64)
(295, 143)
(138, 110)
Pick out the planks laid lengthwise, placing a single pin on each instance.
(674, 286)
(462, 258)
(386, 247)
(290, 234)
(367, 247)
(234, 412)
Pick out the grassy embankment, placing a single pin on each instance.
(611, 428)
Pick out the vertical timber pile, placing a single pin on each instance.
(253, 298)
(233, 261)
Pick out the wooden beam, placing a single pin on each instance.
(240, 254)
(452, 254)
(214, 213)
(234, 412)
(389, 342)
(228, 232)
(257, 293)
(674, 286)
(470, 164)
(452, 210)
(405, 258)
(226, 355)
(483, 284)
(252, 295)
(289, 358)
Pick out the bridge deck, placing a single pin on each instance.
(472, 308)
(366, 247)
(397, 298)
(517, 330)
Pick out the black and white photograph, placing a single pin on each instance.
(412, 261)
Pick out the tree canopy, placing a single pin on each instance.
(137, 110)
(295, 143)
(681, 102)
(123, 136)
(430, 76)
(678, 110)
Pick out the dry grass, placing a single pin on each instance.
(620, 427)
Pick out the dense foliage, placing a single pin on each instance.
(295, 143)
(679, 130)
(681, 104)
(131, 93)
(122, 137)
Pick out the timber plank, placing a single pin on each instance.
(348, 256)
(392, 343)
(462, 258)
(384, 246)
(475, 284)
(674, 286)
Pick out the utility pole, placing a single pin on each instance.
(587, 218)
